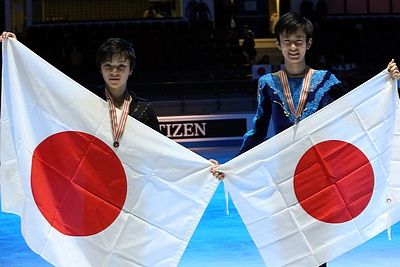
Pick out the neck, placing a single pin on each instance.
(118, 97)
(296, 70)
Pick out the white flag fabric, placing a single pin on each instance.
(81, 201)
(309, 196)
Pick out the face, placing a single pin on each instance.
(294, 46)
(116, 72)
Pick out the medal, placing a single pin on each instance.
(118, 128)
(303, 94)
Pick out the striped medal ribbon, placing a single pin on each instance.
(303, 95)
(118, 128)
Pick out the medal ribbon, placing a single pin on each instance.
(118, 128)
(303, 95)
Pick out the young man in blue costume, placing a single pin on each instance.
(296, 91)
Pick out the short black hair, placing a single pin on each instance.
(292, 22)
(114, 46)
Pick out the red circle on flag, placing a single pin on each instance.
(78, 183)
(334, 181)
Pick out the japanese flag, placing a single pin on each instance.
(313, 193)
(81, 201)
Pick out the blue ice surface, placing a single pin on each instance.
(219, 240)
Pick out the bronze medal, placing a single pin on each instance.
(118, 128)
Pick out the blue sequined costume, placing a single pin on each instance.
(273, 110)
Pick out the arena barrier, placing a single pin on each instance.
(205, 128)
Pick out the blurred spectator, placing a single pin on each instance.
(204, 13)
(152, 13)
(228, 13)
(272, 22)
(249, 45)
(198, 13)
(192, 11)
(264, 60)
